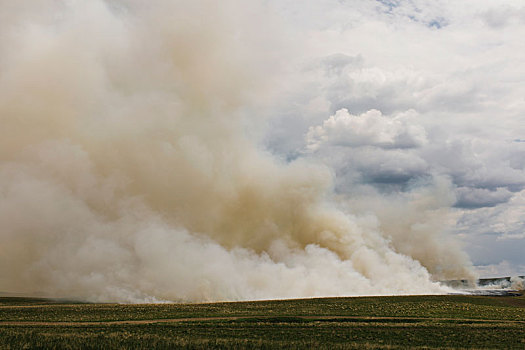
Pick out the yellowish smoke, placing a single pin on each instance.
(126, 172)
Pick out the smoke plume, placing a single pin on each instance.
(128, 171)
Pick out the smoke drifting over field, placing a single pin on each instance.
(129, 172)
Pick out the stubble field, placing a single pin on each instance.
(448, 321)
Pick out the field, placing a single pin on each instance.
(397, 322)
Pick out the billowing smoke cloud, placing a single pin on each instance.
(127, 173)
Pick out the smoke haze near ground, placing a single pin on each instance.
(128, 170)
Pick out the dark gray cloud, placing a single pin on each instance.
(469, 197)
(506, 221)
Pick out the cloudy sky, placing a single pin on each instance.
(396, 94)
(202, 151)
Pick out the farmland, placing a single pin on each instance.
(453, 321)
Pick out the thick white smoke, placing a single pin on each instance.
(126, 172)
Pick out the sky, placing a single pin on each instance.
(194, 151)
(395, 94)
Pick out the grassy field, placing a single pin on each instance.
(399, 322)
